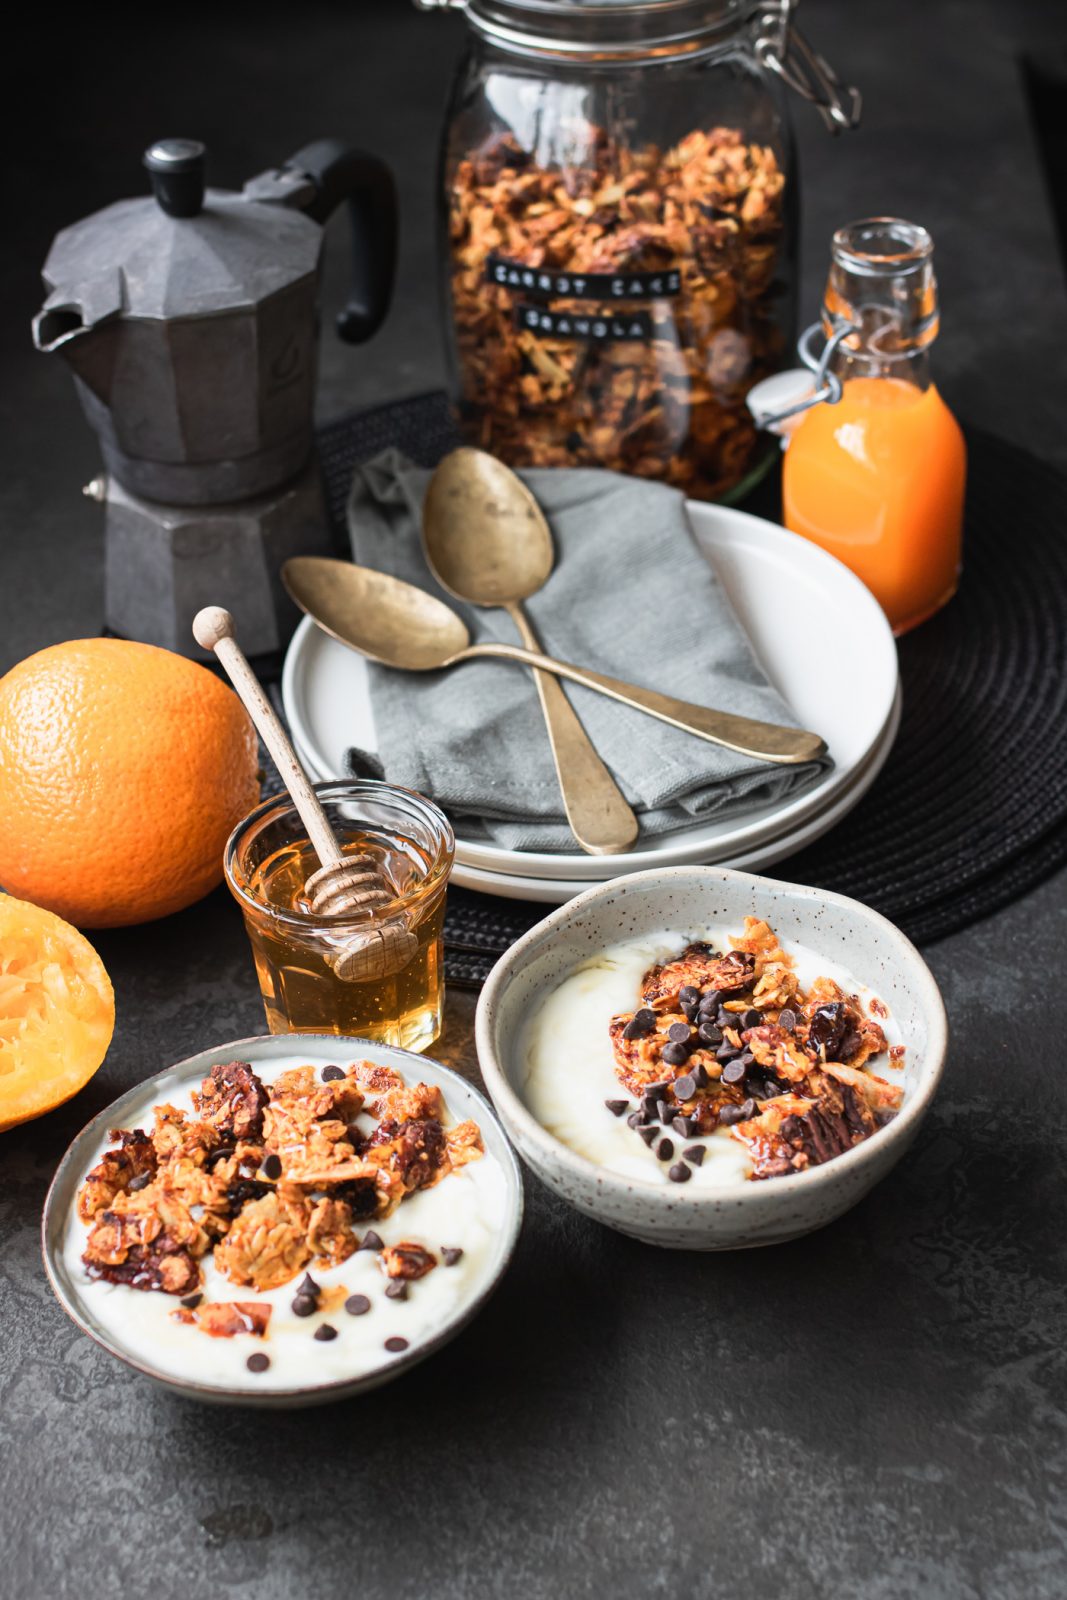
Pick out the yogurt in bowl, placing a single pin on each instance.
(316, 1258)
(725, 1074)
(748, 1134)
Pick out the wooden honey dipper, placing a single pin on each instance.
(342, 882)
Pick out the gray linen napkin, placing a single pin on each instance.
(630, 595)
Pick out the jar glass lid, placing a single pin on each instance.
(605, 27)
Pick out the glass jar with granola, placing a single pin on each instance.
(620, 230)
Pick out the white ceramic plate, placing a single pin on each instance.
(820, 635)
(281, 1051)
(554, 891)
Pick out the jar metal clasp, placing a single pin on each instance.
(782, 48)
(789, 394)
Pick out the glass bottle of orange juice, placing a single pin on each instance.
(876, 473)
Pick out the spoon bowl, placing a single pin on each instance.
(390, 621)
(485, 536)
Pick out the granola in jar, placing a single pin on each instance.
(615, 312)
(620, 229)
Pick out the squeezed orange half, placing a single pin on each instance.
(878, 480)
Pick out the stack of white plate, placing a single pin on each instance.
(823, 642)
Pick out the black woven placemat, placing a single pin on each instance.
(970, 810)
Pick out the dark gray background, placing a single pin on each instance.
(877, 1411)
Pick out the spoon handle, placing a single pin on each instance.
(767, 741)
(597, 810)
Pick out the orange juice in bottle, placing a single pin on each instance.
(877, 476)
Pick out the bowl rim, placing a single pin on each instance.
(514, 1112)
(52, 1228)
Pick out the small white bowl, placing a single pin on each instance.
(743, 1213)
(287, 1050)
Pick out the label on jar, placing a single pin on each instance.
(615, 325)
(583, 285)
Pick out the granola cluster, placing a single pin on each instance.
(270, 1179)
(732, 1041)
(646, 374)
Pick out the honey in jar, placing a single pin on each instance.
(877, 475)
(268, 862)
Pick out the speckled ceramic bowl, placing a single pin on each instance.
(741, 1214)
(288, 1050)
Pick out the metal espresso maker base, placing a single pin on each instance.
(161, 560)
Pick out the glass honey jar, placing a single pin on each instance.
(269, 859)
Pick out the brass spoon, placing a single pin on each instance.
(403, 627)
(487, 542)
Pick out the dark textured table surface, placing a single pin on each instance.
(877, 1411)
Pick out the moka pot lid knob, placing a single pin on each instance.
(176, 168)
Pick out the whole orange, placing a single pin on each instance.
(123, 769)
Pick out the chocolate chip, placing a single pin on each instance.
(331, 1075)
(664, 1150)
(684, 1127)
(765, 1090)
(733, 1072)
(679, 1032)
(679, 1173)
(636, 1119)
(640, 1024)
(397, 1289)
(396, 1343)
(748, 1107)
(664, 1110)
(304, 1305)
(751, 1018)
(685, 1088)
(710, 1001)
(324, 1333)
(258, 1362)
(655, 1090)
(709, 1033)
(787, 1020)
(371, 1240)
(790, 1128)
(649, 1106)
(357, 1305)
(648, 1134)
(676, 1055)
(143, 1179)
(746, 1058)
(688, 996)
(309, 1287)
(726, 1051)
(689, 1013)
(699, 1075)
(191, 1301)
(731, 1114)
(272, 1167)
(616, 1107)
(695, 1154)
(451, 1254)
